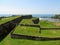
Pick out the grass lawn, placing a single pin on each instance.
(25, 30)
(47, 24)
(50, 33)
(9, 41)
(27, 21)
(4, 20)
(34, 31)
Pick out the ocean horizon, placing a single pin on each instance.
(34, 15)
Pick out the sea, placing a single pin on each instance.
(34, 15)
(46, 17)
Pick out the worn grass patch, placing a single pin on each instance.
(57, 24)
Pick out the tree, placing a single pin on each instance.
(57, 16)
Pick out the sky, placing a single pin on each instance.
(29, 6)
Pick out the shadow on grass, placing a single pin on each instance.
(16, 36)
(40, 39)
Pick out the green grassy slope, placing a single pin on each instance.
(4, 20)
(34, 31)
(9, 41)
(48, 33)
(27, 21)
(47, 24)
(23, 30)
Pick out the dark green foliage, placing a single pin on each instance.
(57, 16)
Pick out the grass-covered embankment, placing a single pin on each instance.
(9, 41)
(4, 20)
(49, 33)
(28, 21)
(47, 24)
(23, 30)
(34, 31)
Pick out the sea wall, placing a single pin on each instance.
(16, 36)
(31, 25)
(50, 28)
(27, 16)
(7, 27)
(36, 21)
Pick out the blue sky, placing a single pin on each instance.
(29, 6)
